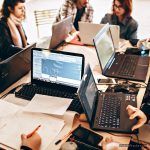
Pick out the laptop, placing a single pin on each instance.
(116, 65)
(89, 30)
(15, 67)
(60, 31)
(55, 73)
(105, 111)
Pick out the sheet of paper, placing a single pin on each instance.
(7, 108)
(70, 118)
(26, 123)
(48, 104)
(15, 100)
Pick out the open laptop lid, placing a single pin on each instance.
(104, 47)
(88, 93)
(60, 31)
(89, 30)
(15, 67)
(57, 68)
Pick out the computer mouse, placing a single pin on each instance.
(121, 88)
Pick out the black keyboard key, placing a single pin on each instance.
(129, 66)
(110, 113)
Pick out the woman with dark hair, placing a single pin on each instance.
(81, 10)
(121, 15)
(12, 36)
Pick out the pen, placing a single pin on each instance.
(57, 142)
(30, 134)
(6, 146)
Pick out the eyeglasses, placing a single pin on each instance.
(118, 6)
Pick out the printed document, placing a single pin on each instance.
(48, 104)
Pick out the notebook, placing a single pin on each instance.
(89, 30)
(105, 111)
(15, 67)
(116, 65)
(60, 31)
(55, 73)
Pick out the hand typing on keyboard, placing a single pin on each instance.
(135, 112)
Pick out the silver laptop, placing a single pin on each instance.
(60, 31)
(15, 67)
(89, 30)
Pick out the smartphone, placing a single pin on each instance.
(87, 136)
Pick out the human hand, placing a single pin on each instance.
(144, 43)
(109, 144)
(32, 142)
(135, 112)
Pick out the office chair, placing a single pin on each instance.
(44, 18)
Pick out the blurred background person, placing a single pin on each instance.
(81, 10)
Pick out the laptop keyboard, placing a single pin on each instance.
(110, 113)
(129, 66)
(28, 91)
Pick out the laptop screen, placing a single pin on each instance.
(88, 92)
(57, 67)
(104, 45)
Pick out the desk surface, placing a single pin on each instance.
(91, 58)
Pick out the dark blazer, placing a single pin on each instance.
(7, 47)
(128, 26)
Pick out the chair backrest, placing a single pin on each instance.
(44, 18)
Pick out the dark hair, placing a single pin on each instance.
(5, 12)
(75, 1)
(126, 4)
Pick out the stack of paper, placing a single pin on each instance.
(15, 120)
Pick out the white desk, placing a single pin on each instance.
(90, 57)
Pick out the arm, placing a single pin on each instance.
(132, 30)
(65, 10)
(106, 19)
(7, 48)
(90, 12)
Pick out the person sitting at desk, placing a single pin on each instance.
(81, 10)
(121, 16)
(12, 36)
